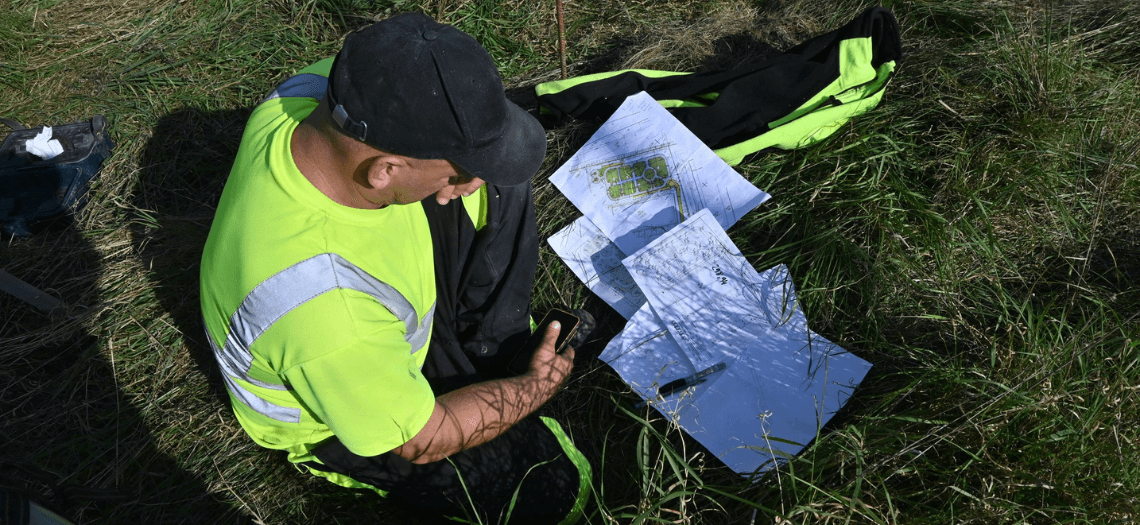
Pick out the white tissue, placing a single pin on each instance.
(43, 146)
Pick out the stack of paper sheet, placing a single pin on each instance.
(641, 173)
(651, 190)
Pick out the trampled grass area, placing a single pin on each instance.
(975, 237)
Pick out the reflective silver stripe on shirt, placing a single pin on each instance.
(304, 85)
(261, 406)
(280, 294)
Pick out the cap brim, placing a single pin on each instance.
(515, 157)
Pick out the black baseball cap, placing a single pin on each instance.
(414, 87)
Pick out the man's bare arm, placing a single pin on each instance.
(478, 413)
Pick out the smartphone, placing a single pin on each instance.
(520, 364)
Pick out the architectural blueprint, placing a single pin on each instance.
(707, 305)
(643, 172)
(597, 262)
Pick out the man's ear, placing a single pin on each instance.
(383, 170)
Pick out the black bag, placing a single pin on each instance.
(33, 191)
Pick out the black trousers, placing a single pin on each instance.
(483, 280)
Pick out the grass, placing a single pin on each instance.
(974, 237)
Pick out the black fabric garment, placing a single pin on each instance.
(748, 98)
(483, 285)
(483, 282)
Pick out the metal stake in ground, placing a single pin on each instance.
(561, 37)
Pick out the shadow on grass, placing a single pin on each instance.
(74, 440)
(183, 170)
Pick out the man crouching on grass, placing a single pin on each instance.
(360, 280)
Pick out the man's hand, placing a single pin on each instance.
(547, 368)
(458, 186)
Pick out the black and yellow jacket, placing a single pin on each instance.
(793, 100)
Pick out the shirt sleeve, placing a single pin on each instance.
(370, 393)
(321, 68)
